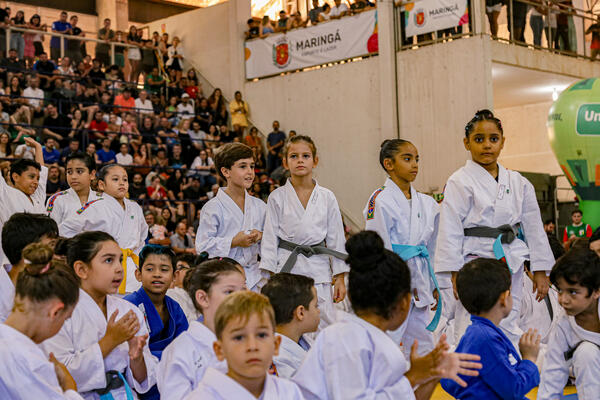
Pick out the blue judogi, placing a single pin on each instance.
(161, 335)
(504, 375)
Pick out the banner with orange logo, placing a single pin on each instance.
(425, 16)
(326, 42)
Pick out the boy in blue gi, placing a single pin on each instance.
(164, 317)
(483, 287)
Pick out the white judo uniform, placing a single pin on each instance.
(353, 359)
(25, 372)
(400, 221)
(321, 221)
(571, 346)
(65, 204)
(472, 198)
(7, 294)
(217, 386)
(185, 302)
(127, 226)
(76, 346)
(185, 361)
(291, 355)
(13, 201)
(220, 220)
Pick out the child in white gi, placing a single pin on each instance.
(116, 215)
(231, 223)
(104, 343)
(184, 263)
(294, 299)
(81, 170)
(26, 373)
(355, 358)
(245, 329)
(407, 221)
(304, 233)
(489, 211)
(575, 338)
(187, 358)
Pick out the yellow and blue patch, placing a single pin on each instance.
(371, 208)
(86, 205)
(53, 199)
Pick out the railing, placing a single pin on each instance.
(544, 38)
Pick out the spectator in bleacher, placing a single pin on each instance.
(60, 26)
(185, 109)
(239, 111)
(283, 23)
(161, 159)
(45, 68)
(75, 48)
(156, 191)
(35, 97)
(168, 219)
(297, 22)
(313, 15)
(360, 5)
(275, 141)
(25, 151)
(5, 146)
(143, 105)
(204, 114)
(124, 102)
(155, 81)
(253, 140)
(339, 10)
(4, 119)
(11, 66)
(55, 182)
(50, 152)
(88, 102)
(325, 13)
(137, 189)
(91, 151)
(181, 241)
(266, 27)
(253, 29)
(165, 132)
(103, 49)
(97, 127)
(105, 154)
(4, 22)
(123, 156)
(196, 194)
(163, 47)
(197, 136)
(176, 159)
(149, 60)
(34, 41)
(64, 67)
(95, 73)
(16, 38)
(134, 54)
(176, 56)
(213, 138)
(73, 147)
(195, 88)
(17, 106)
(148, 130)
(203, 169)
(106, 103)
(119, 49)
(226, 135)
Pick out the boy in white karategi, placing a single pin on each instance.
(294, 299)
(232, 222)
(245, 329)
(575, 337)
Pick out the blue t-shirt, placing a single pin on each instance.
(51, 157)
(275, 137)
(61, 27)
(106, 156)
(504, 375)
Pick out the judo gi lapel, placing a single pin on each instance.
(503, 208)
(152, 318)
(402, 211)
(232, 209)
(226, 387)
(583, 334)
(304, 215)
(483, 180)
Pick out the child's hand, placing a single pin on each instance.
(242, 239)
(65, 380)
(339, 288)
(541, 284)
(530, 345)
(124, 329)
(136, 347)
(436, 297)
(256, 235)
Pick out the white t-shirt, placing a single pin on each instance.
(34, 96)
(336, 11)
(197, 137)
(24, 151)
(124, 159)
(183, 109)
(144, 107)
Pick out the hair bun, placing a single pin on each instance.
(487, 114)
(37, 256)
(384, 143)
(364, 249)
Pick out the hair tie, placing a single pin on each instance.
(45, 269)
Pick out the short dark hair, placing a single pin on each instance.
(548, 221)
(576, 211)
(85, 246)
(89, 162)
(21, 166)
(230, 154)
(480, 283)
(483, 115)
(187, 258)
(579, 266)
(286, 292)
(22, 229)
(150, 249)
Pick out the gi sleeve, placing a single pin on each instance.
(40, 193)
(207, 238)
(150, 361)
(540, 252)
(270, 242)
(40, 382)
(555, 371)
(379, 220)
(335, 238)
(175, 377)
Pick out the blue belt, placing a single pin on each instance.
(114, 380)
(406, 252)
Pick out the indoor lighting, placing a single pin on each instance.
(554, 94)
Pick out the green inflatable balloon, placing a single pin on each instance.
(574, 132)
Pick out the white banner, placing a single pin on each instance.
(323, 43)
(425, 16)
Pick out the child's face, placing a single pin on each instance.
(224, 285)
(28, 181)
(180, 271)
(105, 272)
(241, 173)
(156, 274)
(575, 298)
(78, 175)
(405, 164)
(576, 218)
(248, 346)
(115, 183)
(313, 314)
(485, 143)
(299, 159)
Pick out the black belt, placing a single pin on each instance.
(113, 381)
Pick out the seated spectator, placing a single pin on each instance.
(197, 136)
(176, 160)
(105, 154)
(168, 219)
(106, 103)
(283, 23)
(185, 109)
(91, 151)
(96, 75)
(5, 146)
(97, 127)
(239, 114)
(181, 241)
(297, 22)
(57, 125)
(71, 149)
(253, 140)
(204, 114)
(113, 82)
(124, 101)
(338, 10)
(325, 14)
(191, 88)
(175, 184)
(25, 151)
(266, 26)
(77, 125)
(313, 15)
(161, 159)
(195, 194)
(137, 189)
(166, 132)
(16, 105)
(35, 97)
(142, 104)
(202, 168)
(88, 102)
(55, 183)
(226, 135)
(51, 153)
(157, 233)
(253, 29)
(45, 68)
(213, 191)
(12, 65)
(155, 81)
(123, 157)
(156, 191)
(64, 67)
(213, 137)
